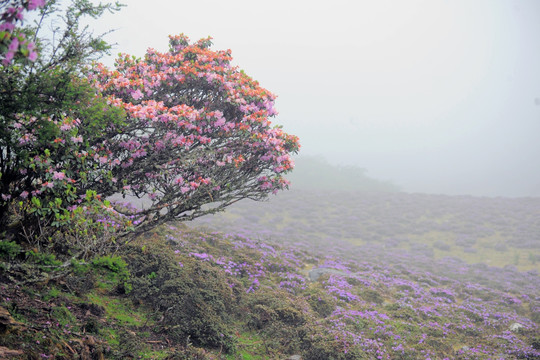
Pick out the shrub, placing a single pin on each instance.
(9, 249)
(193, 301)
(50, 120)
(197, 132)
(320, 301)
(279, 316)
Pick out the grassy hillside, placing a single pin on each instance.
(295, 281)
(492, 231)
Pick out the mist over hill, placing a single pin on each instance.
(316, 173)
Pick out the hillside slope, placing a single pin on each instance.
(181, 293)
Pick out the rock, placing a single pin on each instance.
(294, 357)
(90, 340)
(7, 323)
(315, 274)
(516, 327)
(93, 309)
(5, 352)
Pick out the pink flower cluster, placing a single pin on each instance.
(196, 127)
(17, 43)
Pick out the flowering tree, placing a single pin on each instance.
(197, 135)
(185, 131)
(13, 42)
(47, 108)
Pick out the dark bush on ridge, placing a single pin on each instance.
(193, 301)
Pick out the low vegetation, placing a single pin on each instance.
(338, 276)
(182, 293)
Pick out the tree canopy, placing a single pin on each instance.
(185, 131)
(197, 132)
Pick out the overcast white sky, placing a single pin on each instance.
(437, 96)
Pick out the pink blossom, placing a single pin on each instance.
(14, 45)
(220, 122)
(7, 26)
(24, 194)
(8, 57)
(266, 185)
(77, 139)
(26, 138)
(34, 4)
(32, 56)
(137, 94)
(58, 175)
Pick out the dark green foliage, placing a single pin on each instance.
(81, 279)
(535, 316)
(318, 344)
(34, 100)
(320, 301)
(272, 305)
(473, 316)
(117, 270)
(535, 343)
(46, 260)
(9, 249)
(401, 312)
(280, 317)
(92, 326)
(193, 302)
(63, 316)
(189, 353)
(371, 296)
(113, 263)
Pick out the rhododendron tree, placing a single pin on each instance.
(48, 169)
(50, 119)
(197, 135)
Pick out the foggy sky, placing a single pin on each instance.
(436, 96)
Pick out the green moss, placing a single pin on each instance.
(251, 346)
(110, 335)
(119, 309)
(53, 293)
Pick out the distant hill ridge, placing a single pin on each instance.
(315, 173)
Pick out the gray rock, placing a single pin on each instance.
(315, 274)
(516, 327)
(294, 357)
